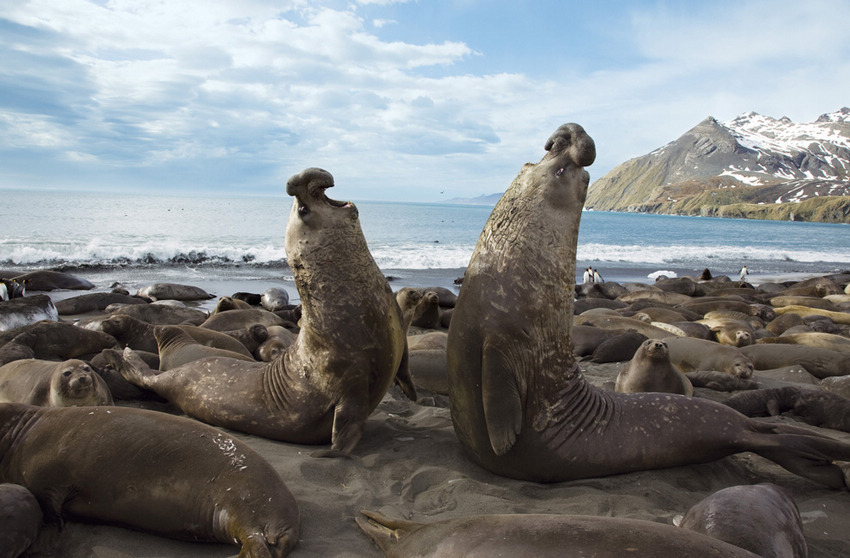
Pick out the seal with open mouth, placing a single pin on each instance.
(520, 405)
(351, 347)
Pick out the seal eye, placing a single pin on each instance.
(66, 373)
(303, 211)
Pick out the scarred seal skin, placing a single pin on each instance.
(521, 407)
(150, 471)
(351, 346)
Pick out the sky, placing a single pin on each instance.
(401, 100)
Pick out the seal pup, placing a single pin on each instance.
(72, 383)
(761, 518)
(155, 472)
(20, 520)
(651, 370)
(520, 405)
(274, 299)
(59, 340)
(539, 535)
(351, 346)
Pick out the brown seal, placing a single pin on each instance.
(176, 348)
(519, 403)
(93, 302)
(689, 354)
(173, 291)
(539, 535)
(20, 520)
(813, 406)
(351, 346)
(71, 383)
(161, 314)
(650, 370)
(761, 518)
(821, 363)
(155, 472)
(59, 340)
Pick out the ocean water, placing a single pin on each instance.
(202, 239)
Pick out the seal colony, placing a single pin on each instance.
(409, 463)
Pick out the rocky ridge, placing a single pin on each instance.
(752, 166)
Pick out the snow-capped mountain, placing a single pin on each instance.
(751, 159)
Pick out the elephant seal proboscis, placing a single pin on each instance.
(351, 347)
(71, 383)
(148, 470)
(20, 520)
(761, 518)
(539, 535)
(650, 370)
(520, 405)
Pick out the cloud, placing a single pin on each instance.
(243, 93)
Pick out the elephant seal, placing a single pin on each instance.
(173, 291)
(59, 340)
(689, 354)
(539, 535)
(650, 370)
(351, 347)
(226, 303)
(158, 473)
(428, 361)
(427, 315)
(20, 520)
(279, 339)
(19, 312)
(274, 299)
(813, 406)
(821, 363)
(162, 314)
(520, 405)
(176, 348)
(619, 348)
(93, 302)
(71, 383)
(761, 518)
(47, 280)
(736, 333)
(240, 318)
(139, 335)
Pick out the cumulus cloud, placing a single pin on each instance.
(243, 93)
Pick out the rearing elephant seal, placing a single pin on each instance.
(148, 470)
(351, 346)
(521, 407)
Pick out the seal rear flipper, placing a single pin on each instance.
(384, 531)
(254, 546)
(502, 400)
(804, 452)
(403, 378)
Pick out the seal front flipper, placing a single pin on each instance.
(350, 416)
(502, 399)
(403, 378)
(386, 532)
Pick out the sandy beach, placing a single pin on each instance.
(409, 464)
